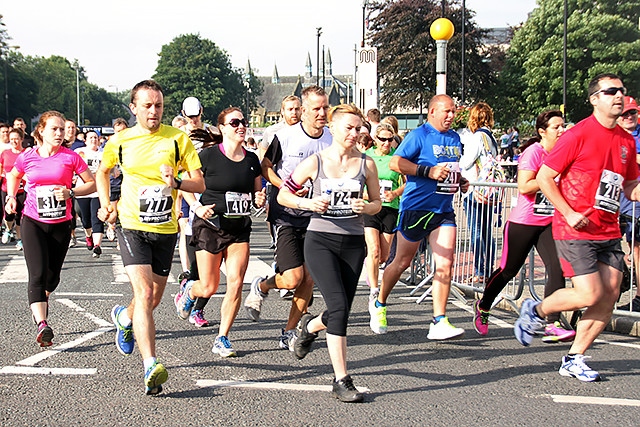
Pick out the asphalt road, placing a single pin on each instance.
(82, 380)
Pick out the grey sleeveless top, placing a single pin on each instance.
(339, 218)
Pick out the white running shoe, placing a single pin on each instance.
(444, 330)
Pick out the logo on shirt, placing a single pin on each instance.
(624, 154)
(446, 151)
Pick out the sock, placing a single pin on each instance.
(379, 304)
(438, 318)
(123, 318)
(571, 355)
(535, 312)
(148, 362)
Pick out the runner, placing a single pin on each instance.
(7, 160)
(149, 155)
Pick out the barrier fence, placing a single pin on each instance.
(470, 250)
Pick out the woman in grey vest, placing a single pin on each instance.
(334, 246)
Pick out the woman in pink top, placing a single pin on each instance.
(48, 170)
(7, 159)
(529, 225)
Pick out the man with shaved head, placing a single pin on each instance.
(428, 157)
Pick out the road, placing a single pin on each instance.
(83, 380)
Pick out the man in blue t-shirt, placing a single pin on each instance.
(428, 157)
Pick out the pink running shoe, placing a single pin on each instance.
(554, 332)
(197, 319)
(480, 319)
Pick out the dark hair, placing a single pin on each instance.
(528, 143)
(37, 133)
(223, 114)
(145, 84)
(120, 121)
(542, 122)
(594, 84)
(19, 131)
(312, 89)
(4, 125)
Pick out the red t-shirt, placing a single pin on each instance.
(593, 162)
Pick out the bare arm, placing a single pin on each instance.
(527, 183)
(306, 170)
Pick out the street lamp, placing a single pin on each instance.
(5, 53)
(318, 32)
(365, 3)
(441, 30)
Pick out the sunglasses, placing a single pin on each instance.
(385, 139)
(611, 91)
(234, 123)
(629, 113)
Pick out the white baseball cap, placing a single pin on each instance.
(191, 106)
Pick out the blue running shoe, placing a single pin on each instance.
(576, 368)
(528, 323)
(222, 346)
(155, 376)
(124, 334)
(184, 304)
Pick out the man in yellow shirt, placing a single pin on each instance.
(149, 155)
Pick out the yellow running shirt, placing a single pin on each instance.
(146, 202)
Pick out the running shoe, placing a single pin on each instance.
(554, 332)
(302, 346)
(253, 302)
(378, 322)
(45, 334)
(89, 241)
(345, 391)
(528, 323)
(19, 244)
(574, 366)
(222, 346)
(634, 305)
(480, 319)
(286, 294)
(184, 275)
(73, 242)
(288, 339)
(184, 303)
(197, 319)
(6, 237)
(124, 334)
(111, 234)
(155, 376)
(444, 330)
(97, 251)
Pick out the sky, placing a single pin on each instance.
(117, 42)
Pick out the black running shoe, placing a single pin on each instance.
(302, 345)
(345, 391)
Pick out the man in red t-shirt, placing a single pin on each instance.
(594, 162)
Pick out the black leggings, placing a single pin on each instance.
(89, 214)
(45, 247)
(518, 241)
(17, 216)
(335, 263)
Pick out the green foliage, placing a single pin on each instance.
(193, 66)
(602, 36)
(407, 53)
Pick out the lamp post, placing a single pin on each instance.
(76, 66)
(5, 53)
(318, 33)
(441, 30)
(365, 3)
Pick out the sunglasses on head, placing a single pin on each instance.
(234, 123)
(611, 91)
(385, 139)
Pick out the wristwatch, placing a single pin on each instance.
(178, 183)
(71, 193)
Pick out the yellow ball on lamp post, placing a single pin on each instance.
(441, 30)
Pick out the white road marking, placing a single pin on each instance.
(610, 401)
(268, 385)
(29, 370)
(86, 294)
(15, 271)
(30, 361)
(621, 344)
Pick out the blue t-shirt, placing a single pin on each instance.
(429, 147)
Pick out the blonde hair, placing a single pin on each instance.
(480, 115)
(341, 109)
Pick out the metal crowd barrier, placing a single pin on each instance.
(532, 275)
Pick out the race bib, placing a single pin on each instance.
(94, 164)
(385, 185)
(48, 206)
(238, 204)
(340, 192)
(156, 204)
(609, 189)
(542, 206)
(452, 183)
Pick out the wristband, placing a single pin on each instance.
(293, 186)
(423, 171)
(195, 206)
(178, 183)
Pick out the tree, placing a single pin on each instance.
(407, 53)
(193, 66)
(602, 36)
